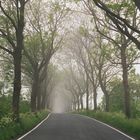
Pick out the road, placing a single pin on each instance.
(73, 127)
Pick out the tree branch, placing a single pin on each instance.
(4, 12)
(5, 49)
(120, 23)
(8, 38)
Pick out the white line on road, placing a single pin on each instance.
(34, 127)
(109, 127)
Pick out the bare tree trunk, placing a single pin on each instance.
(74, 103)
(18, 47)
(81, 101)
(87, 92)
(95, 99)
(44, 93)
(17, 84)
(78, 104)
(39, 99)
(17, 65)
(103, 87)
(34, 92)
(107, 103)
(74, 106)
(125, 83)
(44, 99)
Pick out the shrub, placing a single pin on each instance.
(117, 120)
(10, 129)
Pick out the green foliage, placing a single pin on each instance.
(117, 94)
(5, 105)
(1, 86)
(121, 6)
(24, 106)
(117, 120)
(6, 102)
(10, 129)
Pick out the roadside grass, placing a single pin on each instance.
(117, 120)
(10, 130)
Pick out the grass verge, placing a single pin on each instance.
(117, 120)
(10, 130)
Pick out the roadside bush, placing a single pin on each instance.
(117, 120)
(10, 129)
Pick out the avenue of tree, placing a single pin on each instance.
(91, 47)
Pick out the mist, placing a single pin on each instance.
(60, 99)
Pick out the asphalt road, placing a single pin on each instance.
(73, 127)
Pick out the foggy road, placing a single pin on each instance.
(73, 127)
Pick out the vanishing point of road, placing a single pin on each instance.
(73, 127)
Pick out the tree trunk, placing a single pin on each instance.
(87, 93)
(34, 92)
(44, 100)
(107, 103)
(81, 101)
(39, 98)
(125, 83)
(17, 70)
(78, 104)
(17, 84)
(17, 60)
(103, 87)
(87, 100)
(74, 103)
(95, 99)
(44, 94)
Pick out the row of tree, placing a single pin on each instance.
(30, 34)
(104, 47)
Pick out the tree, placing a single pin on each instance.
(116, 96)
(98, 68)
(43, 39)
(79, 56)
(76, 86)
(11, 31)
(125, 26)
(127, 10)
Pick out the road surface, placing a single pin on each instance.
(73, 127)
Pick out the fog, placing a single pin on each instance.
(60, 99)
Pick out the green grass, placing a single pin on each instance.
(10, 129)
(117, 120)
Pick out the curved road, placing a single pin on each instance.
(73, 127)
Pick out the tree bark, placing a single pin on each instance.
(34, 92)
(125, 83)
(18, 47)
(17, 67)
(95, 99)
(103, 87)
(44, 99)
(81, 101)
(87, 93)
(78, 104)
(107, 105)
(39, 98)
(17, 84)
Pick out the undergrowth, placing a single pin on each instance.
(10, 130)
(117, 120)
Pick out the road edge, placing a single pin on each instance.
(34, 127)
(108, 126)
